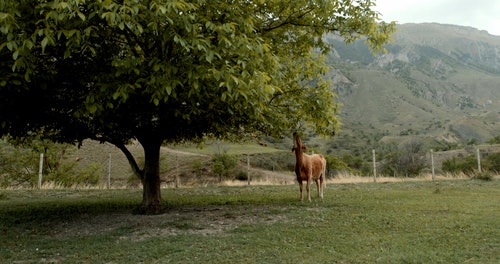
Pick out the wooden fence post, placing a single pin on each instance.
(478, 161)
(248, 169)
(40, 171)
(109, 171)
(374, 166)
(177, 176)
(432, 164)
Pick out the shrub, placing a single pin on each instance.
(18, 166)
(223, 164)
(242, 176)
(492, 162)
(455, 165)
(66, 175)
(334, 165)
(197, 167)
(494, 140)
(408, 160)
(484, 176)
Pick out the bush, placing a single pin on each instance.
(492, 162)
(19, 165)
(408, 160)
(494, 140)
(242, 176)
(197, 167)
(66, 175)
(465, 165)
(484, 176)
(223, 164)
(334, 165)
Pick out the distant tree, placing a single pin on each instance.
(472, 141)
(354, 162)
(335, 164)
(223, 164)
(413, 157)
(168, 71)
(407, 160)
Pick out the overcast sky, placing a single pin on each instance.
(480, 14)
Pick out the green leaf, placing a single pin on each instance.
(4, 16)
(44, 42)
(28, 44)
(92, 108)
(80, 15)
(210, 56)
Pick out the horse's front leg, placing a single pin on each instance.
(301, 185)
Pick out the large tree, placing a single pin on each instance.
(160, 71)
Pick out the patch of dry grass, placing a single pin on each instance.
(288, 178)
(259, 177)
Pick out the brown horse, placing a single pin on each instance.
(309, 168)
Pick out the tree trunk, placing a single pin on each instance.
(151, 191)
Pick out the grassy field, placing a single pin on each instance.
(447, 221)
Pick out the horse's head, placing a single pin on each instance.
(303, 147)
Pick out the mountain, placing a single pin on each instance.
(438, 83)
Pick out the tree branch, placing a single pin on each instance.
(290, 20)
(130, 158)
(131, 161)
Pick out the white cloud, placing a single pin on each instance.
(481, 14)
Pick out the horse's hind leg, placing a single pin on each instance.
(318, 187)
(322, 181)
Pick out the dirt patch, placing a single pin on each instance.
(179, 221)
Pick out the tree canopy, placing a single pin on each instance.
(166, 71)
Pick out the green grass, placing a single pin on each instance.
(453, 221)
